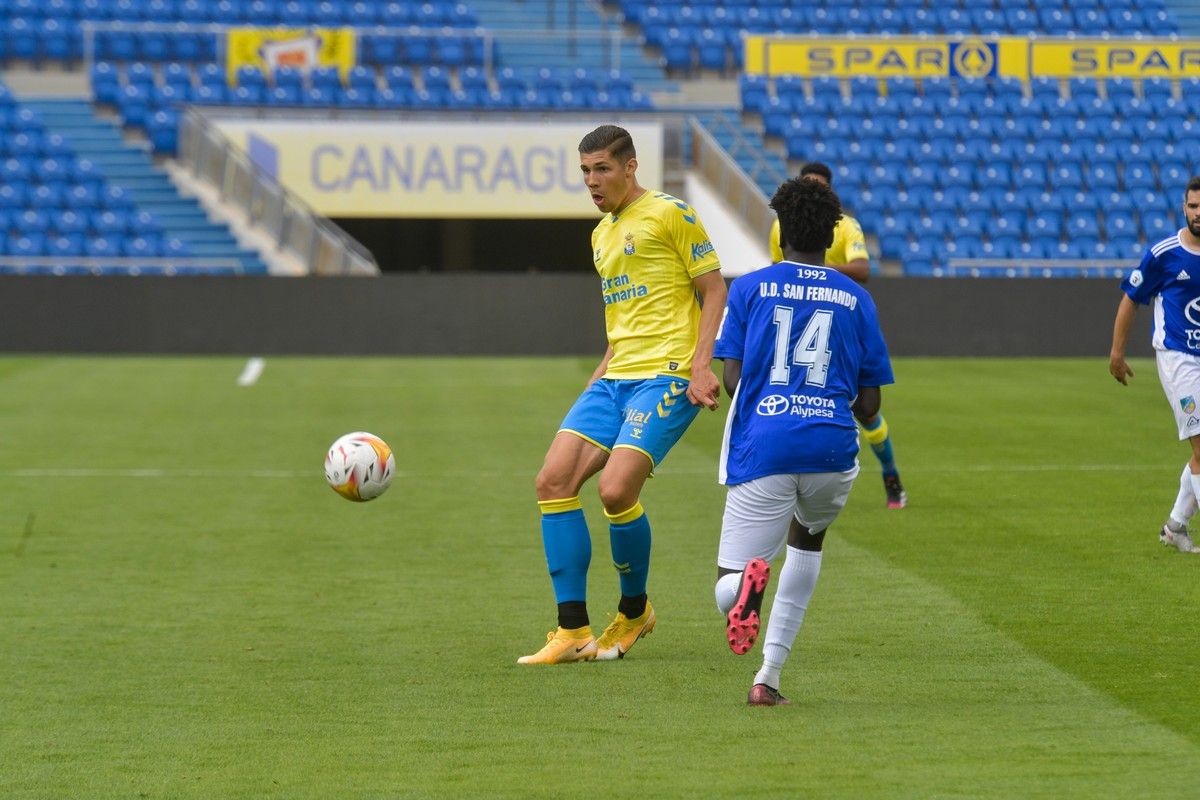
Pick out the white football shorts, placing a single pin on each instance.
(1179, 374)
(758, 513)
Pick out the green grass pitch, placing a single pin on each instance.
(187, 611)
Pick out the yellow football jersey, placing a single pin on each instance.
(848, 242)
(647, 257)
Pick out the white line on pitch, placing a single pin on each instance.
(251, 372)
(151, 472)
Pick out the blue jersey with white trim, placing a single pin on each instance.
(808, 337)
(1169, 275)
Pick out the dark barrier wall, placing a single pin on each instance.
(503, 314)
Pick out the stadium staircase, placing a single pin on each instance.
(745, 145)
(130, 167)
(560, 52)
(1187, 15)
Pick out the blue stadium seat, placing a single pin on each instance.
(380, 49)
(288, 77)
(351, 97)
(211, 75)
(105, 82)
(952, 177)
(361, 78)
(140, 73)
(325, 77)
(134, 104)
(318, 96)
(1091, 21)
(1056, 21)
(1139, 176)
(67, 222)
(209, 94)
(163, 131)
(48, 196)
(247, 95)
(900, 91)
(676, 45)
(1119, 88)
(102, 247)
(1045, 89)
(451, 49)
(28, 245)
(396, 14)
(58, 39)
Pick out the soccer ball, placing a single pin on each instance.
(359, 466)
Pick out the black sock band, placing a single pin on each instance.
(572, 614)
(632, 607)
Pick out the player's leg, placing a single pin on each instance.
(821, 497)
(630, 538)
(879, 437)
(578, 451)
(753, 532)
(1180, 378)
(656, 414)
(1175, 529)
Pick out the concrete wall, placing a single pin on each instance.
(502, 314)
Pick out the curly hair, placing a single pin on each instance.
(817, 168)
(808, 212)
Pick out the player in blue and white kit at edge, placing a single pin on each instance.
(1169, 275)
(803, 354)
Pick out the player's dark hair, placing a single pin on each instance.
(817, 168)
(1193, 186)
(808, 212)
(612, 139)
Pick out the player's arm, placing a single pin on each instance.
(866, 405)
(859, 269)
(773, 244)
(704, 390)
(603, 367)
(1117, 367)
(854, 252)
(732, 375)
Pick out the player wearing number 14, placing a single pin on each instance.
(804, 353)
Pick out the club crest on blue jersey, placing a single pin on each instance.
(629, 250)
(1188, 404)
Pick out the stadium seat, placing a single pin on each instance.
(65, 222)
(134, 104)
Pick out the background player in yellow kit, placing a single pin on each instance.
(654, 258)
(848, 255)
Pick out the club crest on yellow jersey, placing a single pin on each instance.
(629, 250)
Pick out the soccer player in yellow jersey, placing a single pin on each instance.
(663, 299)
(848, 255)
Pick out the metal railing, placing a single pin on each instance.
(320, 245)
(740, 190)
(181, 265)
(1032, 267)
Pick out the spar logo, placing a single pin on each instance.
(773, 405)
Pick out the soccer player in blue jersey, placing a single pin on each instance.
(804, 356)
(1169, 275)
(848, 255)
(663, 296)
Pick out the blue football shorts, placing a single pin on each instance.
(648, 415)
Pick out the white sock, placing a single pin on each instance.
(797, 579)
(1185, 501)
(1194, 480)
(726, 591)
